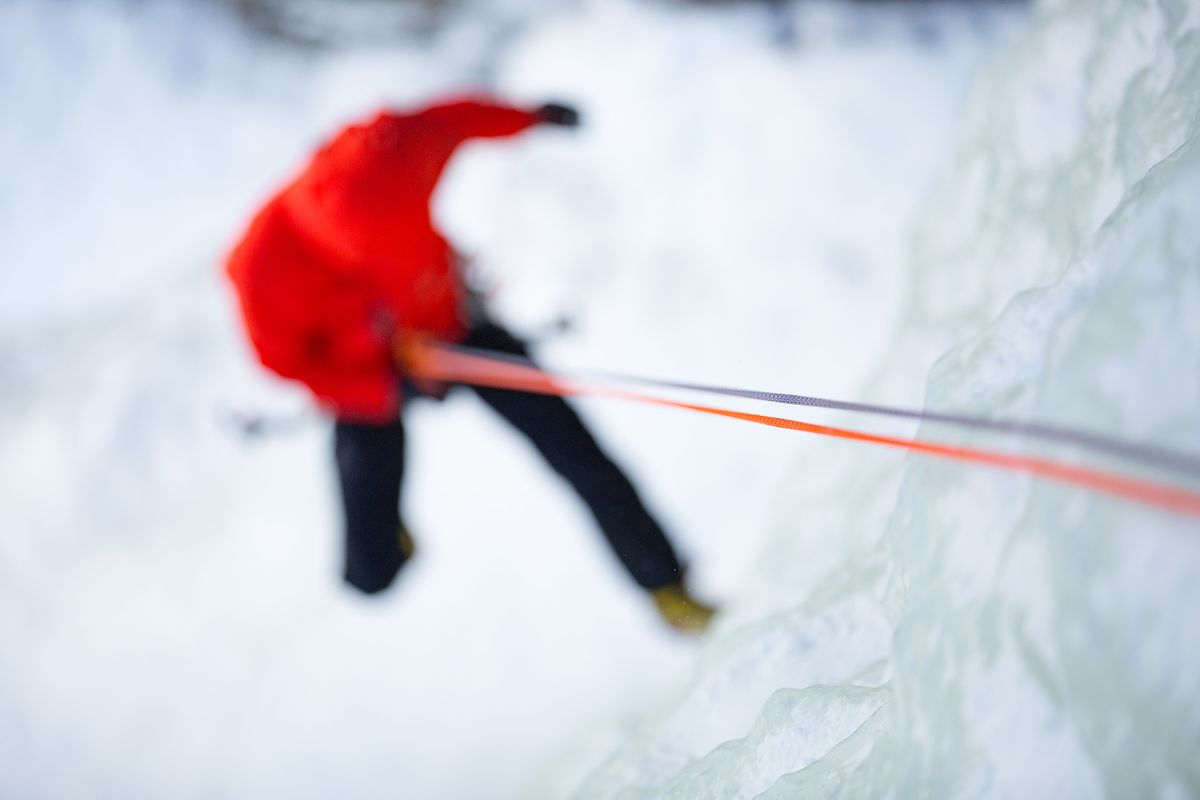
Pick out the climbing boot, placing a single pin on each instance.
(681, 611)
(408, 548)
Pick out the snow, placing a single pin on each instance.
(739, 208)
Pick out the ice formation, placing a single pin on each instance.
(965, 633)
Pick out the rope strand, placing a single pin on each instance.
(1174, 461)
(455, 364)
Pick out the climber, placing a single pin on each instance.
(344, 266)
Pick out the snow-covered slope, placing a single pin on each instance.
(975, 634)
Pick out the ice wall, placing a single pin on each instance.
(927, 629)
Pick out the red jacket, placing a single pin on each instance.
(347, 255)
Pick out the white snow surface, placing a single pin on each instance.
(833, 214)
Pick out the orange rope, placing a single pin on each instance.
(428, 361)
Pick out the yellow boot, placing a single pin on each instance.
(681, 610)
(408, 548)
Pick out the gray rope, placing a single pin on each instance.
(1171, 460)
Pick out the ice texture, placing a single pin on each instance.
(1042, 640)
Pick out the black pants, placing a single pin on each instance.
(370, 461)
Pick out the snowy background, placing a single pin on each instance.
(984, 208)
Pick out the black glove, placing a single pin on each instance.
(559, 114)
